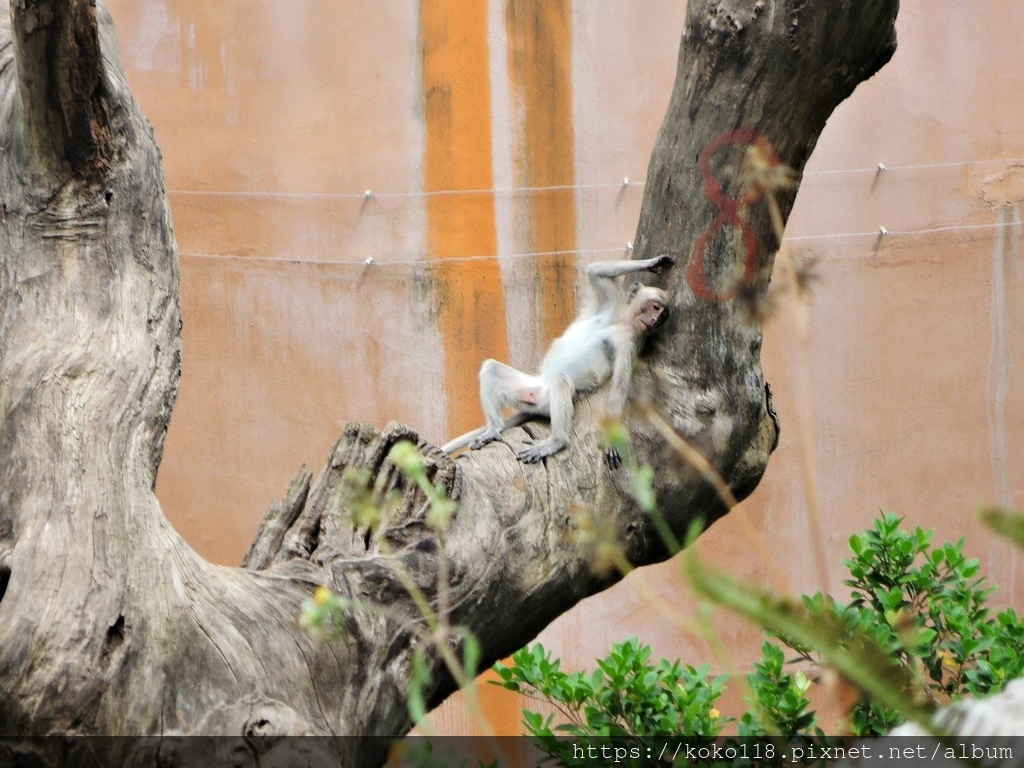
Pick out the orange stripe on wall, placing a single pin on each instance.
(457, 103)
(540, 67)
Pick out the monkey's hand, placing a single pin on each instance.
(661, 262)
(612, 458)
(484, 439)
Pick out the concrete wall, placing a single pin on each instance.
(275, 118)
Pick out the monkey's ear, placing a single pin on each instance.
(632, 290)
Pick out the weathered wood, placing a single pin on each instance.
(110, 623)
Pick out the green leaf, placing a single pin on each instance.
(1005, 523)
(420, 678)
(471, 655)
(857, 545)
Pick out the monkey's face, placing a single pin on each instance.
(651, 313)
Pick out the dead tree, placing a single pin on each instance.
(111, 624)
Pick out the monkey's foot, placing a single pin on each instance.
(540, 451)
(484, 439)
(612, 458)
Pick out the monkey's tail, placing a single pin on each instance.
(515, 420)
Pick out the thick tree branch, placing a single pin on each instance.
(780, 69)
(60, 110)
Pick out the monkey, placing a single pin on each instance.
(602, 343)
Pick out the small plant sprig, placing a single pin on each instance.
(779, 699)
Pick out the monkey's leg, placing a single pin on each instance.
(502, 386)
(462, 441)
(561, 392)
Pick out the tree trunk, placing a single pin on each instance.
(111, 624)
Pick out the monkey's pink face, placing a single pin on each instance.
(652, 313)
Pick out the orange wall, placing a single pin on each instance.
(274, 118)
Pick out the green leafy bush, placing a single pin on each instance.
(927, 606)
(626, 695)
(627, 698)
(923, 608)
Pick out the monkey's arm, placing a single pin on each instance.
(515, 420)
(617, 268)
(603, 274)
(626, 350)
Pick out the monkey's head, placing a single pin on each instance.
(648, 309)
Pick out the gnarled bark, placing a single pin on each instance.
(110, 623)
